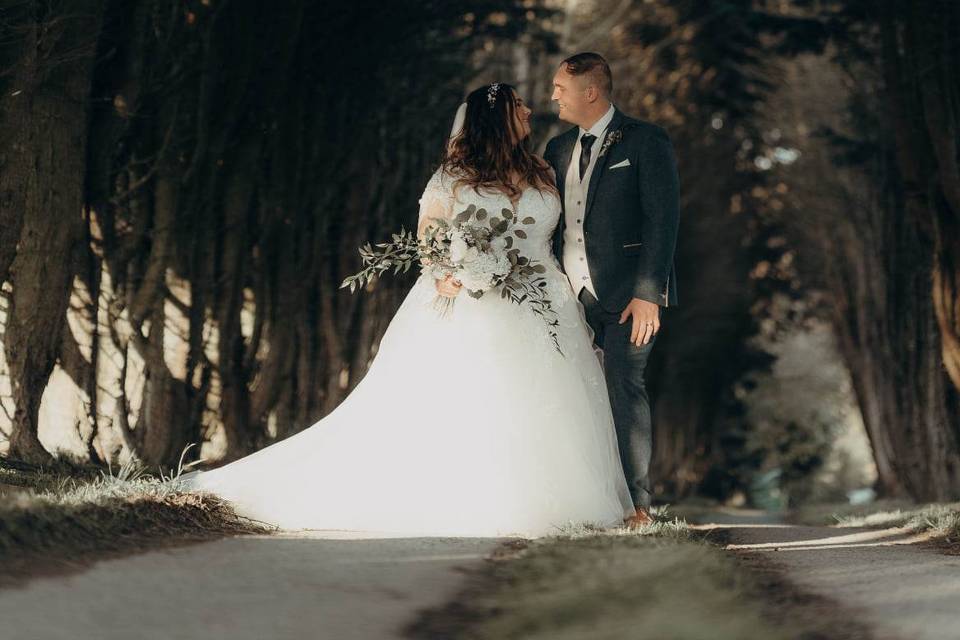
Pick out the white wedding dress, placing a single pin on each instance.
(466, 425)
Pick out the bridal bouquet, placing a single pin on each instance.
(475, 249)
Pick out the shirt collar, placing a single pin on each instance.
(600, 125)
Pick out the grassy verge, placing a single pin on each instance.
(830, 514)
(61, 518)
(664, 581)
(941, 520)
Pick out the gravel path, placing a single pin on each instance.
(275, 587)
(896, 587)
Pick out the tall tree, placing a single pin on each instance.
(888, 262)
(45, 143)
(237, 156)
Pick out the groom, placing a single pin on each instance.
(618, 182)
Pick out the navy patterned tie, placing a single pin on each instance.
(585, 143)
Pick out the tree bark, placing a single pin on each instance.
(925, 436)
(53, 108)
(935, 23)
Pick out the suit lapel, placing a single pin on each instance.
(567, 142)
(601, 166)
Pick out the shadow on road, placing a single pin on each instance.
(303, 585)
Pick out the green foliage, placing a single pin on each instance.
(523, 285)
(399, 254)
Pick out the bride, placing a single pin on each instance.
(467, 424)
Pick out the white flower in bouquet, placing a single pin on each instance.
(480, 272)
(458, 245)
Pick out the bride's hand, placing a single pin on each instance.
(448, 287)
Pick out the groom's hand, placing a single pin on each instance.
(646, 320)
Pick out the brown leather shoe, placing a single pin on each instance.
(641, 518)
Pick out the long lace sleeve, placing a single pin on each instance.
(437, 200)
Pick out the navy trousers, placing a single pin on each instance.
(624, 364)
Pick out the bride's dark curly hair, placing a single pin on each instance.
(489, 150)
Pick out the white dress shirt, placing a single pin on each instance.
(575, 203)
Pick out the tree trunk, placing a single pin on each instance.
(926, 441)
(52, 105)
(937, 61)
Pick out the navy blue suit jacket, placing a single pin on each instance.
(632, 212)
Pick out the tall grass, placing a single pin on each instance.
(664, 526)
(942, 520)
(65, 512)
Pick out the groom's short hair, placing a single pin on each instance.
(593, 65)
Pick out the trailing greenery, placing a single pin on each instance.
(474, 247)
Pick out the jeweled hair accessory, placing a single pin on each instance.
(492, 94)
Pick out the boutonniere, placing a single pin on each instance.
(611, 139)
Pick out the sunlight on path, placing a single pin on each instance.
(792, 537)
(900, 589)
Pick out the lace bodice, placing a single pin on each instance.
(440, 201)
